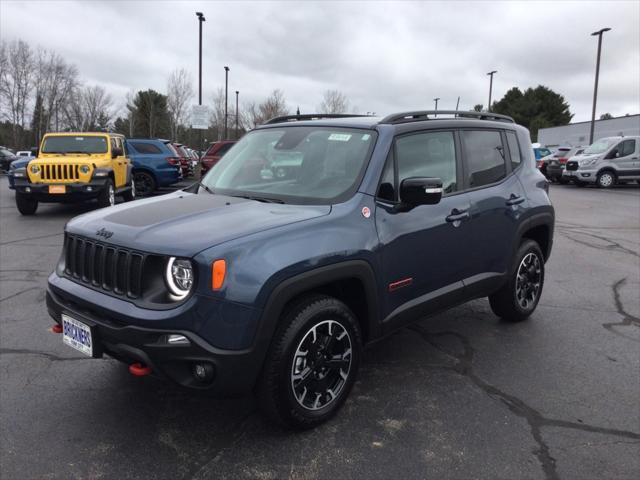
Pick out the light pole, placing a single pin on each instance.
(237, 93)
(201, 19)
(436, 100)
(226, 96)
(595, 87)
(490, 87)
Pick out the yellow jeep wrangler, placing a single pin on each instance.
(72, 167)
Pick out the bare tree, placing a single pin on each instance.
(179, 93)
(88, 108)
(56, 80)
(216, 115)
(334, 101)
(16, 83)
(274, 105)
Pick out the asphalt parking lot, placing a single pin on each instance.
(459, 395)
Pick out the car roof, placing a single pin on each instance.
(84, 134)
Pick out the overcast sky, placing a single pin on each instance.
(384, 56)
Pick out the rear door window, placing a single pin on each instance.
(484, 156)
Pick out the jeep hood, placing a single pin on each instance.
(183, 224)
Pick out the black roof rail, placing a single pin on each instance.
(311, 116)
(420, 115)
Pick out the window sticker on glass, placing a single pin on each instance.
(79, 139)
(340, 137)
(365, 137)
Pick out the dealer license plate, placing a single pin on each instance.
(77, 335)
(57, 189)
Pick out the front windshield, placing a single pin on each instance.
(600, 146)
(294, 164)
(75, 144)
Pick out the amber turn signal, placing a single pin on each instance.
(218, 271)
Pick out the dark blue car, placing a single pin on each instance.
(257, 282)
(155, 164)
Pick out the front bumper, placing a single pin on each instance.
(234, 371)
(74, 191)
(584, 175)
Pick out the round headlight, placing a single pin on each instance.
(179, 277)
(84, 169)
(35, 169)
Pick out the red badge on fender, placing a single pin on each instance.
(366, 213)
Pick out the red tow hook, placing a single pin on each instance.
(57, 328)
(139, 370)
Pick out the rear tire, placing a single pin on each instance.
(606, 179)
(107, 196)
(312, 363)
(26, 205)
(145, 183)
(518, 298)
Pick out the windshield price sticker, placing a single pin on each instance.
(340, 137)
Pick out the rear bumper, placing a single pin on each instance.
(234, 371)
(555, 171)
(74, 191)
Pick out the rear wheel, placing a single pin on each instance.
(26, 205)
(518, 298)
(606, 179)
(145, 183)
(312, 363)
(107, 196)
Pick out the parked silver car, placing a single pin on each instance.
(606, 162)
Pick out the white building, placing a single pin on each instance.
(577, 134)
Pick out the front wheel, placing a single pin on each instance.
(26, 205)
(107, 196)
(130, 194)
(606, 179)
(518, 298)
(312, 363)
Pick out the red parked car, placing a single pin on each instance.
(215, 152)
(184, 159)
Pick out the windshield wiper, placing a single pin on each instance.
(259, 199)
(206, 188)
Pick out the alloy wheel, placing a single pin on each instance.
(321, 365)
(605, 180)
(112, 195)
(528, 280)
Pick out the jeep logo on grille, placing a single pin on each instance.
(103, 232)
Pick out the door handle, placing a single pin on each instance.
(457, 215)
(514, 200)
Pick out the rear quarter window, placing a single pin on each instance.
(484, 157)
(143, 147)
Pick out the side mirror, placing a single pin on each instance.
(416, 191)
(116, 152)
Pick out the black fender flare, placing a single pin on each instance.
(286, 290)
(546, 218)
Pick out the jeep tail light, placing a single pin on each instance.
(218, 272)
(173, 160)
(562, 160)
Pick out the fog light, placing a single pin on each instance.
(89, 189)
(175, 339)
(202, 371)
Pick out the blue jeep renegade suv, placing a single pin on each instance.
(253, 281)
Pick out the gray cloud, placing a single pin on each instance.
(385, 56)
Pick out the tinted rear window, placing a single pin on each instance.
(143, 147)
(484, 156)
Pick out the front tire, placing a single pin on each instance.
(130, 195)
(26, 205)
(518, 298)
(107, 196)
(606, 179)
(312, 363)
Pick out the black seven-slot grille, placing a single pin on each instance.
(573, 165)
(103, 266)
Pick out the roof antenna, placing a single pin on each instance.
(458, 103)
(298, 110)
